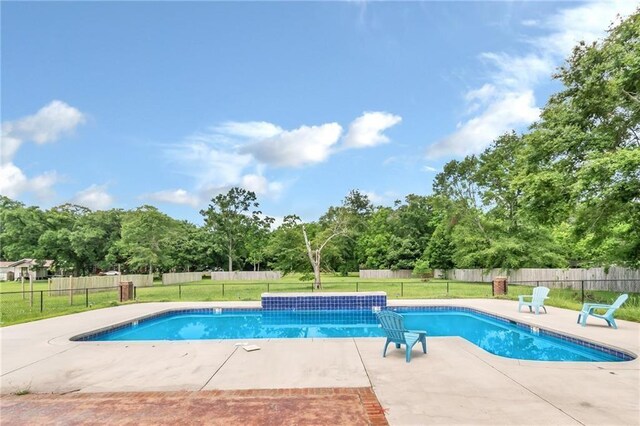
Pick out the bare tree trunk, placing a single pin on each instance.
(312, 259)
(316, 272)
(230, 258)
(315, 255)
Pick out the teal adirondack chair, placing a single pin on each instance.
(537, 300)
(393, 326)
(590, 308)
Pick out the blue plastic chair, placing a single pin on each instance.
(393, 326)
(537, 300)
(589, 309)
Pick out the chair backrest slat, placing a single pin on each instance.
(392, 324)
(619, 301)
(539, 294)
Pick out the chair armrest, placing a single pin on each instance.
(523, 296)
(417, 331)
(589, 306)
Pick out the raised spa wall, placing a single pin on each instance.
(325, 301)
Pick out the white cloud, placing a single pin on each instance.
(249, 129)
(94, 197)
(483, 94)
(261, 186)
(8, 146)
(507, 101)
(429, 169)
(517, 72)
(42, 185)
(366, 130)
(530, 23)
(302, 146)
(214, 162)
(587, 22)
(512, 110)
(49, 124)
(385, 199)
(175, 196)
(13, 182)
(208, 160)
(390, 160)
(374, 197)
(241, 153)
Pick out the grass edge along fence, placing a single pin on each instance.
(25, 306)
(19, 306)
(611, 277)
(171, 278)
(97, 281)
(585, 286)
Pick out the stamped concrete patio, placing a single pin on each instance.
(455, 383)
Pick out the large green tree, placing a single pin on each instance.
(286, 247)
(412, 224)
(492, 228)
(374, 242)
(20, 230)
(233, 219)
(583, 158)
(191, 249)
(56, 242)
(146, 237)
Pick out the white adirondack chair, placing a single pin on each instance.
(590, 309)
(537, 300)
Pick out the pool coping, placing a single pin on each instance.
(455, 383)
(623, 355)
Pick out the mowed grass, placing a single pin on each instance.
(16, 308)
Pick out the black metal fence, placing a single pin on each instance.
(17, 306)
(585, 287)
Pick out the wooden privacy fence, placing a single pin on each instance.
(382, 274)
(245, 275)
(614, 279)
(181, 277)
(74, 283)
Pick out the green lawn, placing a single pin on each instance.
(14, 308)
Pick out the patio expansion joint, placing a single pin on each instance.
(4, 373)
(526, 388)
(219, 368)
(364, 366)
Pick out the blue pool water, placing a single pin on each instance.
(498, 337)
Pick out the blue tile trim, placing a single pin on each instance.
(542, 331)
(311, 303)
(624, 356)
(100, 332)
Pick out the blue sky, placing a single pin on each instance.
(128, 103)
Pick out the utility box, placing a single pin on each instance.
(126, 290)
(499, 286)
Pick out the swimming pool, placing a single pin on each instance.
(494, 334)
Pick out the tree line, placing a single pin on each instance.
(564, 193)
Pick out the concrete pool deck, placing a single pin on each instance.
(455, 383)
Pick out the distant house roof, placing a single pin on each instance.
(29, 262)
(4, 264)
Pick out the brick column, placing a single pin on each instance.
(499, 286)
(126, 291)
